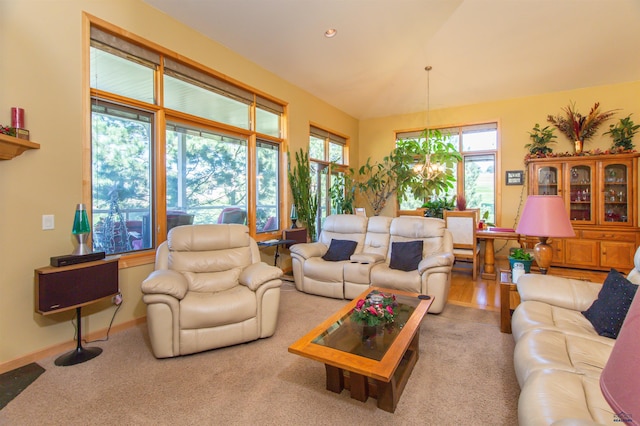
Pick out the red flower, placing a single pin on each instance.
(359, 304)
(390, 309)
(372, 310)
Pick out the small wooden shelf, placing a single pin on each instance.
(11, 146)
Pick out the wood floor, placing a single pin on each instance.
(485, 294)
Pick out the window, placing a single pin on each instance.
(213, 135)
(475, 175)
(121, 175)
(328, 158)
(206, 177)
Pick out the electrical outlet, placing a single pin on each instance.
(48, 222)
(117, 299)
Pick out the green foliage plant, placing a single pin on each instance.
(305, 200)
(379, 181)
(430, 161)
(343, 191)
(622, 133)
(437, 205)
(540, 139)
(520, 254)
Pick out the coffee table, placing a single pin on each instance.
(378, 366)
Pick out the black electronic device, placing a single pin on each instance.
(72, 259)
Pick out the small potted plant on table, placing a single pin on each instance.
(519, 255)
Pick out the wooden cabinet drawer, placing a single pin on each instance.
(609, 236)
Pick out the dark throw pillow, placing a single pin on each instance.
(406, 256)
(340, 250)
(608, 311)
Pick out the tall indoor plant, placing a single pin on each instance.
(305, 200)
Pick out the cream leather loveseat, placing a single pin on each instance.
(372, 260)
(209, 289)
(559, 355)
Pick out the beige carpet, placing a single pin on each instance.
(464, 376)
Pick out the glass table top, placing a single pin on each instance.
(351, 337)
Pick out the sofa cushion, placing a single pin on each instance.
(406, 256)
(340, 250)
(608, 311)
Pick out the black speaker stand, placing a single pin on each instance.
(79, 354)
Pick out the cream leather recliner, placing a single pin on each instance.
(209, 289)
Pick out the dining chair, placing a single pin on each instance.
(463, 225)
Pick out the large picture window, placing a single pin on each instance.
(182, 146)
(328, 158)
(475, 174)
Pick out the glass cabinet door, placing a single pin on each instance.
(547, 178)
(580, 193)
(616, 193)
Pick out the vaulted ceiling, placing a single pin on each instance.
(480, 50)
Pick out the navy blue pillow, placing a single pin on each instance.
(340, 250)
(608, 311)
(406, 256)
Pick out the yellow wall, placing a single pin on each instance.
(41, 71)
(515, 117)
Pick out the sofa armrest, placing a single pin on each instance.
(566, 293)
(166, 281)
(259, 273)
(435, 260)
(308, 250)
(367, 258)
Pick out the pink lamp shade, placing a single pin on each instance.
(545, 216)
(620, 378)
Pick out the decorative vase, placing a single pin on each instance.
(525, 263)
(578, 146)
(369, 332)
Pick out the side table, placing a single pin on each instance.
(277, 244)
(509, 299)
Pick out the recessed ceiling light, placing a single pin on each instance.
(331, 32)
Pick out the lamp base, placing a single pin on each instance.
(82, 247)
(543, 253)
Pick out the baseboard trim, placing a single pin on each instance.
(66, 346)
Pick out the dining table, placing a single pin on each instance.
(489, 235)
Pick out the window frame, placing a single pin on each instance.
(329, 137)
(162, 116)
(460, 167)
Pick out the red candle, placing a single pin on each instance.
(17, 118)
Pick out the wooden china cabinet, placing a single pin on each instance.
(601, 197)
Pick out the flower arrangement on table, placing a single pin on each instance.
(377, 309)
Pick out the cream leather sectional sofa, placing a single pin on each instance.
(559, 356)
(370, 262)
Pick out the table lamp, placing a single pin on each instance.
(620, 378)
(294, 216)
(81, 230)
(545, 216)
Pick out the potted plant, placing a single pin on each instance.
(579, 129)
(540, 139)
(379, 181)
(519, 255)
(343, 192)
(622, 133)
(301, 188)
(435, 206)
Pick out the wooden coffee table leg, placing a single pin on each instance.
(387, 395)
(335, 378)
(359, 385)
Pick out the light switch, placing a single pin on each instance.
(48, 221)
